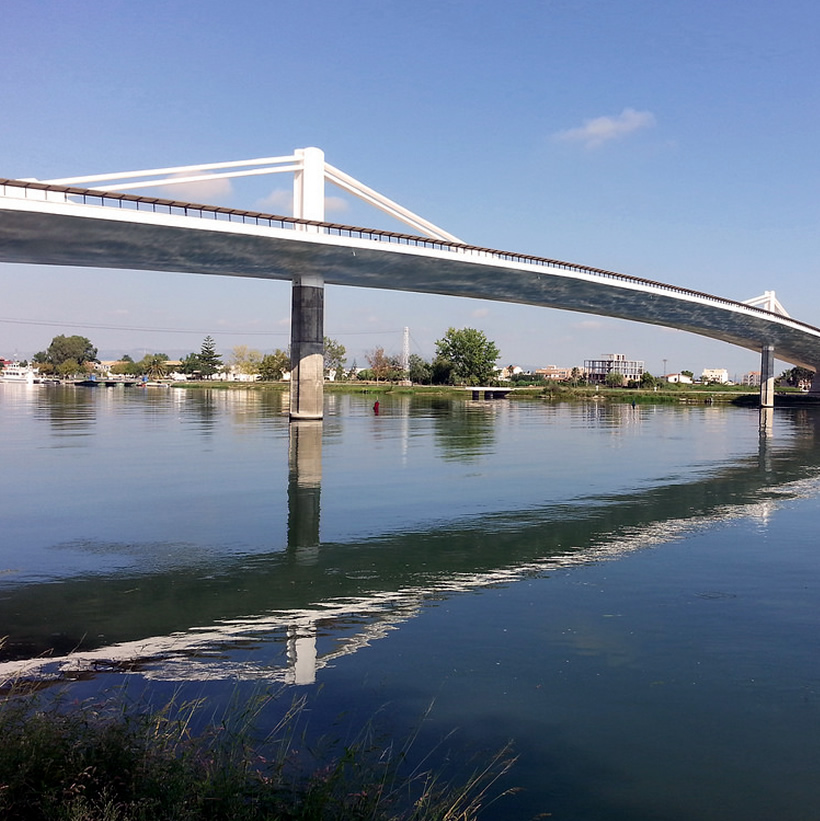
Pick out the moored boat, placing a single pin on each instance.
(15, 372)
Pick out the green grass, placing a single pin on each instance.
(117, 761)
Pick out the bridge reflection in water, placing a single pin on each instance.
(183, 624)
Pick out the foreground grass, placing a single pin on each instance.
(112, 761)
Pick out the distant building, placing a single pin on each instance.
(597, 370)
(104, 365)
(551, 372)
(509, 372)
(234, 374)
(678, 378)
(752, 379)
(719, 375)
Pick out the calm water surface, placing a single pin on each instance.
(630, 595)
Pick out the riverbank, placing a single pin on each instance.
(667, 394)
(116, 760)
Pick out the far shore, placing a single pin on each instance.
(690, 394)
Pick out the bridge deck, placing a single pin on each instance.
(78, 227)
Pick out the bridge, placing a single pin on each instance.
(60, 222)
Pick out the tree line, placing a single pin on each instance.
(464, 357)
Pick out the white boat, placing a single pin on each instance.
(15, 372)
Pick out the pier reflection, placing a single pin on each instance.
(304, 487)
(304, 505)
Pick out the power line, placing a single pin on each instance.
(54, 323)
(51, 323)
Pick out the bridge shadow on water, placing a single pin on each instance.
(181, 623)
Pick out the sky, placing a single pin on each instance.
(668, 140)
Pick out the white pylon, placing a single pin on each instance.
(769, 302)
(405, 350)
(306, 164)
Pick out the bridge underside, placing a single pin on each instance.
(29, 236)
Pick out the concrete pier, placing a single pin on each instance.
(307, 314)
(767, 376)
(307, 320)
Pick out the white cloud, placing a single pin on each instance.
(596, 132)
(336, 205)
(280, 201)
(203, 191)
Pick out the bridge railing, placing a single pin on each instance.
(114, 199)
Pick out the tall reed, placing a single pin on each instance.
(121, 760)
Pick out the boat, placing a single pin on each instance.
(23, 374)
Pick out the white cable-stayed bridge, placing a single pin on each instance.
(58, 222)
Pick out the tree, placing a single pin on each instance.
(794, 376)
(77, 349)
(273, 365)
(246, 360)
(380, 364)
(191, 365)
(614, 379)
(687, 373)
(420, 372)
(471, 354)
(125, 366)
(647, 380)
(335, 356)
(153, 365)
(441, 371)
(209, 360)
(68, 367)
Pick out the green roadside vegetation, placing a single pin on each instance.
(115, 760)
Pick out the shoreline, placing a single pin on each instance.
(739, 396)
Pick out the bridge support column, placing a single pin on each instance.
(307, 375)
(767, 376)
(307, 314)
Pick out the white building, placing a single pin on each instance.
(719, 375)
(597, 370)
(678, 378)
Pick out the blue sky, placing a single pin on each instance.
(669, 140)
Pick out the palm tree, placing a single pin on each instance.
(157, 366)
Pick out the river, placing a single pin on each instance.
(629, 595)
